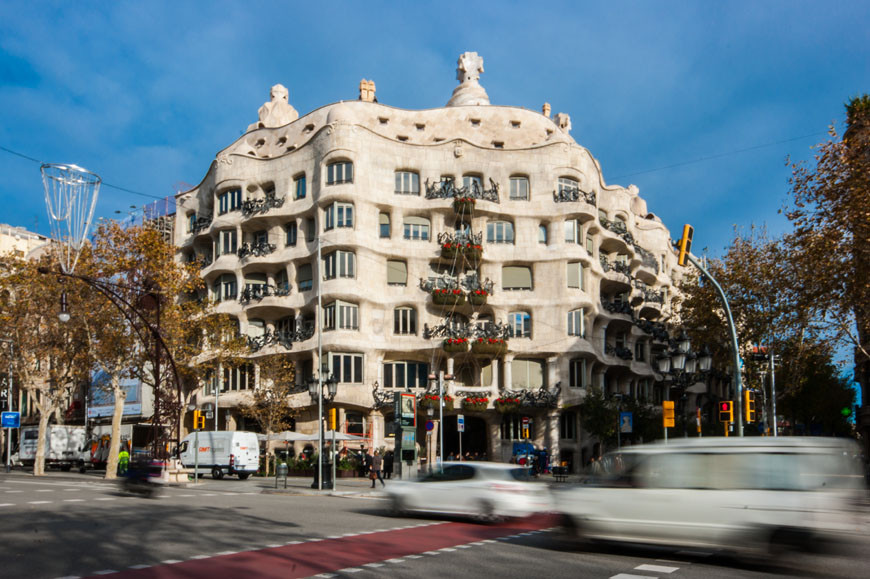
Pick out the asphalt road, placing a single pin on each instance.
(80, 526)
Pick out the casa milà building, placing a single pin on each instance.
(476, 240)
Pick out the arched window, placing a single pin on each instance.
(568, 184)
(500, 232)
(384, 225)
(519, 188)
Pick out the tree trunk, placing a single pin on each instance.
(120, 396)
(39, 459)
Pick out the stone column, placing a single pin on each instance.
(507, 371)
(449, 365)
(552, 367)
(493, 387)
(494, 449)
(551, 441)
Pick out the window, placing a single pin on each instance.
(397, 272)
(339, 215)
(348, 368)
(516, 277)
(472, 183)
(590, 245)
(256, 328)
(406, 374)
(512, 427)
(577, 323)
(341, 315)
(572, 231)
(639, 351)
(241, 378)
(282, 280)
(286, 326)
(225, 287)
(229, 201)
(299, 186)
(405, 321)
(577, 373)
(384, 225)
(500, 232)
(576, 275)
(255, 284)
(622, 258)
(228, 241)
(339, 264)
(191, 222)
(568, 425)
(407, 183)
(519, 189)
(602, 215)
(568, 184)
(416, 228)
(527, 374)
(542, 233)
(291, 232)
(304, 279)
(260, 237)
(310, 231)
(338, 173)
(520, 324)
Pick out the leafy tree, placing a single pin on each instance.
(270, 405)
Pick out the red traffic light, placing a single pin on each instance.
(723, 406)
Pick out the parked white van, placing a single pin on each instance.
(746, 494)
(222, 452)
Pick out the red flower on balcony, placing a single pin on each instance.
(451, 341)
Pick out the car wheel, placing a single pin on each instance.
(486, 513)
(398, 507)
(571, 533)
(244, 475)
(217, 473)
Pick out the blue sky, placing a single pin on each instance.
(146, 93)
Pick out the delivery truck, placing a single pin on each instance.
(231, 452)
(65, 446)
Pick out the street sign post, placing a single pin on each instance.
(11, 420)
(430, 425)
(460, 428)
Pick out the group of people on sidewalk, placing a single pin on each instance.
(375, 465)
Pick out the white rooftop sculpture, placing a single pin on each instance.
(277, 112)
(469, 92)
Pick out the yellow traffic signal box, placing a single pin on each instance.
(726, 411)
(668, 413)
(749, 405)
(685, 243)
(198, 420)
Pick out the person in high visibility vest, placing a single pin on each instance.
(123, 460)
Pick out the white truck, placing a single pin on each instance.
(232, 452)
(64, 446)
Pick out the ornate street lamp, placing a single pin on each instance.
(321, 397)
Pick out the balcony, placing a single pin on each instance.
(447, 189)
(619, 308)
(451, 291)
(256, 249)
(616, 266)
(619, 228)
(283, 339)
(619, 351)
(464, 247)
(260, 291)
(573, 194)
(201, 224)
(258, 206)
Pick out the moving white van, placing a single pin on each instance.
(745, 494)
(222, 452)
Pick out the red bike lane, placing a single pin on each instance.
(314, 557)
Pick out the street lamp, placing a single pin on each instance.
(440, 377)
(317, 394)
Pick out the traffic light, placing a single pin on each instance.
(333, 414)
(685, 243)
(749, 405)
(198, 420)
(726, 411)
(525, 433)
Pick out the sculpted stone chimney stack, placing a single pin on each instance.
(277, 112)
(367, 91)
(469, 92)
(546, 110)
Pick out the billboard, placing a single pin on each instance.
(101, 401)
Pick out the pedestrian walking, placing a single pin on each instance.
(377, 466)
(367, 462)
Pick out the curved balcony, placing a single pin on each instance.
(283, 339)
(574, 195)
(256, 249)
(252, 207)
(618, 352)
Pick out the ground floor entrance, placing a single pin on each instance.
(473, 440)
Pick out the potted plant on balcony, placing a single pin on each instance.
(475, 403)
(455, 345)
(431, 401)
(448, 297)
(471, 253)
(507, 404)
(463, 204)
(478, 297)
(489, 346)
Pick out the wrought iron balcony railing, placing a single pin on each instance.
(460, 238)
(647, 258)
(259, 291)
(447, 189)
(543, 397)
(619, 308)
(283, 339)
(572, 194)
(205, 261)
(618, 227)
(201, 223)
(657, 330)
(256, 249)
(450, 329)
(619, 351)
(469, 283)
(255, 206)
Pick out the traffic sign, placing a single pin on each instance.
(10, 419)
(525, 420)
(430, 426)
(460, 423)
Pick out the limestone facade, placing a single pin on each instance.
(578, 274)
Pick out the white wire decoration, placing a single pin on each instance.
(70, 198)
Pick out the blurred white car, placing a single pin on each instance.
(487, 491)
(761, 495)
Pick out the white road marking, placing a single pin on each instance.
(273, 546)
(226, 553)
(7, 504)
(293, 543)
(139, 566)
(74, 500)
(478, 543)
(413, 556)
(447, 550)
(463, 546)
(656, 568)
(630, 576)
(395, 560)
(45, 490)
(488, 541)
(201, 557)
(373, 565)
(70, 577)
(431, 553)
(72, 490)
(106, 499)
(105, 572)
(169, 562)
(14, 491)
(327, 575)
(38, 502)
(351, 570)
(315, 540)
